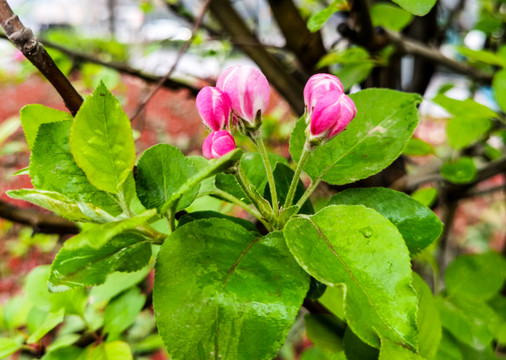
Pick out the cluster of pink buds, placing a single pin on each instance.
(328, 109)
(241, 97)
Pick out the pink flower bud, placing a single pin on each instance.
(247, 89)
(331, 114)
(214, 108)
(317, 86)
(217, 144)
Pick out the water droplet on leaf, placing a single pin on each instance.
(367, 232)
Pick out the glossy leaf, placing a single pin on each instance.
(283, 175)
(34, 115)
(416, 7)
(63, 206)
(233, 301)
(499, 87)
(356, 349)
(52, 167)
(390, 16)
(87, 259)
(161, 171)
(333, 299)
(212, 168)
(385, 122)
(390, 351)
(418, 225)
(101, 141)
(199, 215)
(354, 73)
(461, 171)
(417, 147)
(426, 196)
(429, 323)
(121, 311)
(357, 247)
(476, 277)
(318, 19)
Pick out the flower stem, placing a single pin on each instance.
(309, 191)
(295, 181)
(259, 142)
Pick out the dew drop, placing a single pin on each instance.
(367, 232)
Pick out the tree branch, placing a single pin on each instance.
(23, 38)
(290, 85)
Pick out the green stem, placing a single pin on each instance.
(232, 199)
(308, 192)
(123, 204)
(295, 181)
(259, 142)
(172, 216)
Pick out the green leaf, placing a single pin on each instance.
(356, 349)
(199, 215)
(357, 247)
(315, 353)
(352, 55)
(333, 300)
(87, 259)
(417, 147)
(498, 304)
(233, 301)
(464, 108)
(228, 183)
(355, 73)
(116, 283)
(448, 348)
(283, 175)
(115, 350)
(52, 168)
(101, 141)
(318, 19)
(470, 322)
(62, 206)
(7, 128)
(324, 331)
(213, 167)
(476, 277)
(65, 353)
(418, 225)
(486, 56)
(384, 123)
(390, 351)
(427, 196)
(499, 87)
(429, 323)
(15, 312)
(416, 7)
(122, 310)
(9, 346)
(463, 131)
(161, 171)
(462, 171)
(33, 116)
(47, 323)
(389, 16)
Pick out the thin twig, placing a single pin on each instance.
(23, 38)
(180, 54)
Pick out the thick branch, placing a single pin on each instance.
(408, 46)
(44, 222)
(307, 46)
(34, 51)
(287, 84)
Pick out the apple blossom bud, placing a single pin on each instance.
(217, 144)
(214, 108)
(248, 91)
(331, 114)
(317, 86)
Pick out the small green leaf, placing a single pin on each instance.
(64, 353)
(416, 7)
(499, 87)
(122, 310)
(115, 350)
(206, 295)
(116, 283)
(254, 169)
(33, 116)
(464, 131)
(462, 171)
(7, 128)
(356, 349)
(357, 247)
(384, 123)
(318, 19)
(87, 259)
(429, 323)
(161, 171)
(213, 167)
(390, 16)
(9, 346)
(418, 225)
(101, 141)
(464, 108)
(476, 277)
(485, 56)
(52, 168)
(48, 323)
(62, 206)
(426, 196)
(417, 147)
(390, 350)
(324, 331)
(355, 73)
